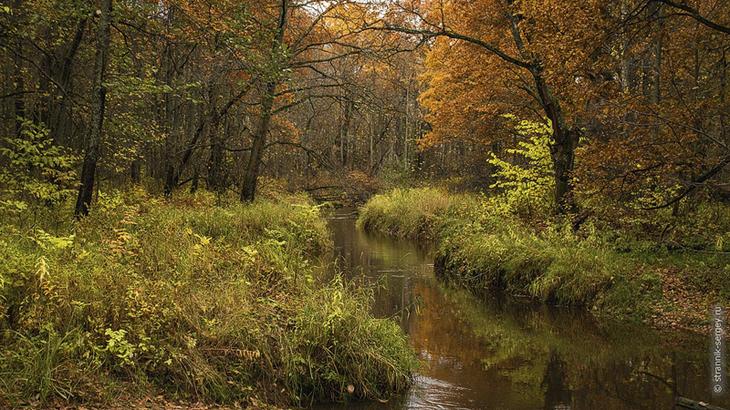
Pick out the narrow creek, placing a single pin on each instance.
(490, 353)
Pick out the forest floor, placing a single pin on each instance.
(682, 305)
(481, 247)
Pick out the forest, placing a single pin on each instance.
(174, 175)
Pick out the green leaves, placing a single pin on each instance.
(527, 179)
(118, 345)
(37, 171)
(49, 242)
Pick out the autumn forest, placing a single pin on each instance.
(174, 175)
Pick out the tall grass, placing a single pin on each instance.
(219, 304)
(482, 248)
(405, 213)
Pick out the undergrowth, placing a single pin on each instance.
(200, 302)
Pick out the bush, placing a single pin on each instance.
(35, 176)
(214, 304)
(526, 183)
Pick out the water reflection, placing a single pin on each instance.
(489, 353)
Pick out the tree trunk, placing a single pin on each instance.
(216, 174)
(565, 137)
(194, 182)
(345, 131)
(170, 177)
(88, 171)
(562, 150)
(18, 79)
(135, 171)
(60, 124)
(250, 178)
(166, 115)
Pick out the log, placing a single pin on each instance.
(685, 403)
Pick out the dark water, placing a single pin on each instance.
(487, 353)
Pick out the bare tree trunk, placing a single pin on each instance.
(216, 174)
(135, 171)
(19, 103)
(169, 166)
(88, 171)
(250, 178)
(345, 132)
(60, 123)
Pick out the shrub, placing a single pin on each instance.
(35, 175)
(526, 183)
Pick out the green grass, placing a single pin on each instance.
(219, 304)
(405, 213)
(482, 247)
(486, 250)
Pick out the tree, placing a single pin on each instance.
(612, 80)
(91, 157)
(277, 56)
(507, 42)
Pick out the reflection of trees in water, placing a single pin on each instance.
(557, 392)
(517, 355)
(578, 363)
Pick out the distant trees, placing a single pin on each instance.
(190, 92)
(193, 93)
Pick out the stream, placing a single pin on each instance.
(495, 353)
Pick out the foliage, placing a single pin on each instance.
(483, 248)
(526, 183)
(35, 171)
(326, 320)
(405, 213)
(199, 302)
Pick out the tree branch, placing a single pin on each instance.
(694, 184)
(695, 14)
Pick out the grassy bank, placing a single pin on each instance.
(482, 247)
(189, 300)
(405, 213)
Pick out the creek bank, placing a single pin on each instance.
(189, 301)
(483, 249)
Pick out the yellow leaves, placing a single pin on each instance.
(345, 18)
(202, 240)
